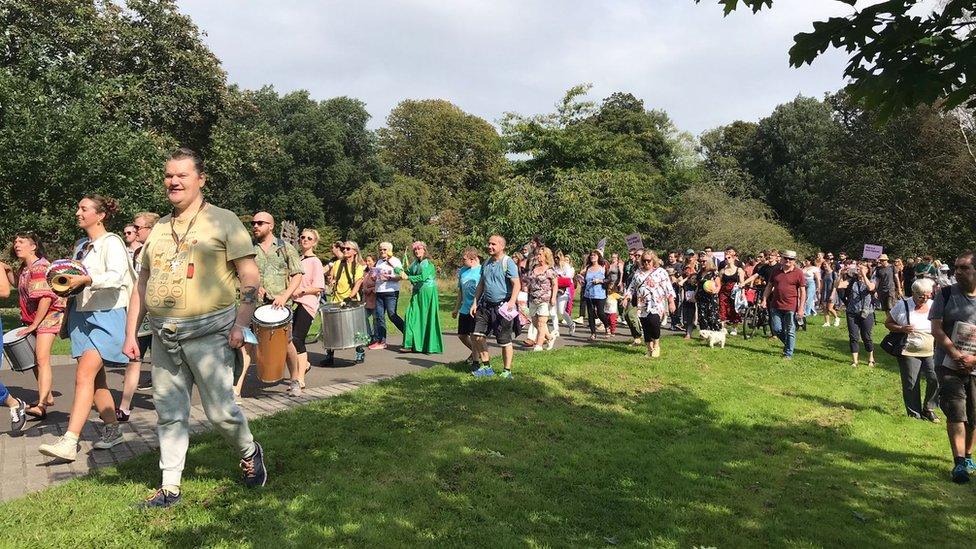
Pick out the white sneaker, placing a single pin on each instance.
(826, 324)
(733, 332)
(836, 322)
(64, 448)
(551, 343)
(111, 436)
(295, 390)
(537, 348)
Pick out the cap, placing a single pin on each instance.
(689, 251)
(789, 254)
(883, 257)
(944, 267)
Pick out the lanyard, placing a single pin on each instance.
(172, 228)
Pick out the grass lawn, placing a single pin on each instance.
(591, 446)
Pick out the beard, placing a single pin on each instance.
(967, 282)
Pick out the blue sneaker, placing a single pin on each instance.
(506, 374)
(970, 466)
(959, 474)
(160, 500)
(252, 468)
(484, 371)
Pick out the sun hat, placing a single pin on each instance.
(789, 254)
(883, 257)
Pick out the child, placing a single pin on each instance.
(611, 309)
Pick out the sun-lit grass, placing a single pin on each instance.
(587, 446)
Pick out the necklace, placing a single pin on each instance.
(174, 261)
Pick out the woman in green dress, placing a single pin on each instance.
(423, 327)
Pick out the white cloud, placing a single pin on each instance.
(493, 56)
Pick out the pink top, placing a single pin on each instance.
(314, 277)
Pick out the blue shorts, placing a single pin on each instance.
(103, 331)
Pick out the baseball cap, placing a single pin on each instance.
(789, 254)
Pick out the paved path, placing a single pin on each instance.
(24, 470)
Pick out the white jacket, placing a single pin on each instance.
(111, 272)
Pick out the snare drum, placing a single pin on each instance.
(273, 329)
(19, 350)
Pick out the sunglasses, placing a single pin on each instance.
(142, 227)
(347, 248)
(257, 223)
(130, 232)
(303, 237)
(647, 260)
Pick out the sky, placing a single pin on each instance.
(494, 56)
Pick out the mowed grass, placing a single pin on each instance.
(590, 446)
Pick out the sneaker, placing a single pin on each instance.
(253, 470)
(18, 417)
(506, 374)
(960, 474)
(111, 436)
(930, 416)
(836, 322)
(551, 343)
(537, 348)
(826, 324)
(160, 500)
(377, 346)
(637, 341)
(733, 332)
(484, 371)
(64, 448)
(295, 389)
(145, 386)
(360, 357)
(970, 465)
(121, 416)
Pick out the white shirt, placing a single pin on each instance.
(919, 321)
(111, 272)
(384, 270)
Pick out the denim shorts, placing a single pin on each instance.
(103, 331)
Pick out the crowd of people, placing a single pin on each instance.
(186, 285)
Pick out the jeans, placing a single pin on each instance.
(912, 369)
(594, 310)
(859, 327)
(386, 304)
(784, 327)
(688, 316)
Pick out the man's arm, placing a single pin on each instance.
(247, 273)
(135, 314)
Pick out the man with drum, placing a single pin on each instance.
(281, 275)
(187, 283)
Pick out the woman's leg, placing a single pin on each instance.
(654, 343)
(931, 383)
(542, 327)
(43, 370)
(867, 327)
(590, 315)
(646, 332)
(853, 335)
(130, 382)
(89, 365)
(910, 394)
(600, 306)
(688, 318)
(104, 401)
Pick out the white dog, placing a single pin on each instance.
(714, 337)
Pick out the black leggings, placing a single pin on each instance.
(594, 310)
(300, 325)
(652, 327)
(858, 325)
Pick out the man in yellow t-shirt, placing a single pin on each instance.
(190, 265)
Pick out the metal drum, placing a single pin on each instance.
(343, 326)
(19, 350)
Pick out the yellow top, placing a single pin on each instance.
(343, 283)
(199, 277)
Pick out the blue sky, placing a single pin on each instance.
(494, 56)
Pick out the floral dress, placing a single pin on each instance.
(32, 286)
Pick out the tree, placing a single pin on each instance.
(705, 215)
(724, 152)
(898, 58)
(791, 160)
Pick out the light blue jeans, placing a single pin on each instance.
(784, 327)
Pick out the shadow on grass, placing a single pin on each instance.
(441, 459)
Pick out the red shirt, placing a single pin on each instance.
(786, 288)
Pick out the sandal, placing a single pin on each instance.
(39, 415)
(870, 364)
